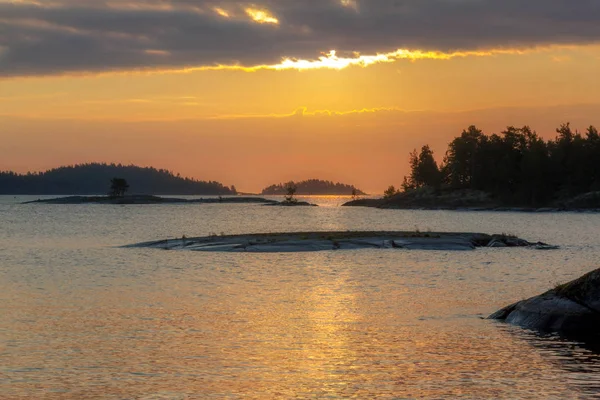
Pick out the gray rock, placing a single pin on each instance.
(571, 309)
(318, 241)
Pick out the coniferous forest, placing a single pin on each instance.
(515, 167)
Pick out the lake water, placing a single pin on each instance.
(81, 318)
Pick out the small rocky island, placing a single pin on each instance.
(149, 199)
(572, 309)
(319, 241)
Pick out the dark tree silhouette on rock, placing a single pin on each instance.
(390, 192)
(118, 187)
(291, 190)
(515, 167)
(424, 170)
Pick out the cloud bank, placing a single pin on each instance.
(46, 37)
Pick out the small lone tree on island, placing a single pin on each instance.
(355, 195)
(291, 190)
(118, 187)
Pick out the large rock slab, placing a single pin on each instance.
(319, 241)
(572, 309)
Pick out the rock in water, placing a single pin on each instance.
(318, 241)
(572, 309)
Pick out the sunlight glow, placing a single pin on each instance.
(332, 61)
(349, 4)
(327, 61)
(261, 16)
(156, 52)
(221, 12)
(305, 112)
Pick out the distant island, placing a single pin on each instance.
(313, 187)
(92, 178)
(513, 170)
(149, 199)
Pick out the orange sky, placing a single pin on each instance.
(347, 117)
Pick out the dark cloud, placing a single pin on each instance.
(61, 36)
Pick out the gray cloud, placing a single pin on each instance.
(62, 36)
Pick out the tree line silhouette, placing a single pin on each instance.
(93, 179)
(516, 166)
(312, 187)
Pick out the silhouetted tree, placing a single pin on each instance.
(390, 192)
(290, 192)
(592, 158)
(424, 170)
(463, 158)
(118, 187)
(407, 184)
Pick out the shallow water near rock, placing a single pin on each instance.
(82, 318)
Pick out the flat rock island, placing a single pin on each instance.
(320, 241)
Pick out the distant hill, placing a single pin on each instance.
(312, 187)
(95, 179)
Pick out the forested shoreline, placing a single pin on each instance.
(514, 167)
(94, 178)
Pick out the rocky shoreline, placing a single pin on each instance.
(572, 309)
(472, 200)
(375, 203)
(321, 241)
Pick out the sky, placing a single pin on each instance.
(267, 91)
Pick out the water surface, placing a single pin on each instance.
(81, 318)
